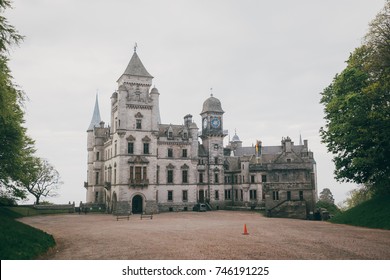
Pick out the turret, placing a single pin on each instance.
(156, 119)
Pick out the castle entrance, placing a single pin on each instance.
(137, 204)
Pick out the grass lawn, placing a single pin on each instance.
(19, 241)
(374, 213)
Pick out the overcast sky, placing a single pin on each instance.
(267, 62)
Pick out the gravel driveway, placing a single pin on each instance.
(210, 235)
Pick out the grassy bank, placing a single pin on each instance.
(19, 241)
(374, 213)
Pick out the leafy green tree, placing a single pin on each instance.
(326, 200)
(357, 111)
(357, 196)
(326, 196)
(43, 180)
(16, 148)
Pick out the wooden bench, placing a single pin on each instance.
(123, 216)
(146, 216)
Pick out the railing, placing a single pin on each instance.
(138, 182)
(282, 202)
(107, 185)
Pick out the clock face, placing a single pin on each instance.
(215, 122)
(205, 123)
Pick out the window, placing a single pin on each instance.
(215, 160)
(185, 135)
(138, 124)
(130, 148)
(216, 178)
(170, 152)
(185, 195)
(131, 173)
(288, 195)
(300, 195)
(170, 195)
(170, 177)
(184, 176)
(96, 196)
(97, 155)
(158, 174)
(97, 178)
(201, 177)
(236, 194)
(138, 172)
(216, 195)
(252, 178)
(184, 153)
(228, 194)
(146, 148)
(170, 135)
(253, 194)
(264, 178)
(275, 195)
(115, 149)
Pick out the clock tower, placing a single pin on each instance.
(212, 142)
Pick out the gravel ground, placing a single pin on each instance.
(212, 235)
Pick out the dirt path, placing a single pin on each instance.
(210, 235)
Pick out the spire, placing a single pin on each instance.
(96, 116)
(135, 67)
(300, 139)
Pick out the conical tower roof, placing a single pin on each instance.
(136, 68)
(96, 116)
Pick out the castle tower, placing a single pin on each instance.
(212, 141)
(134, 119)
(96, 134)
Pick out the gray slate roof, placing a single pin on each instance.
(136, 68)
(212, 104)
(95, 117)
(176, 130)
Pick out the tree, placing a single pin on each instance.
(356, 196)
(16, 148)
(326, 200)
(326, 196)
(43, 180)
(357, 111)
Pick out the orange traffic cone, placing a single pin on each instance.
(245, 230)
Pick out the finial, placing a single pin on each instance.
(211, 92)
(135, 47)
(235, 131)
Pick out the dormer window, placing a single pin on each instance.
(169, 132)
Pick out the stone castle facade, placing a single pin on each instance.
(137, 164)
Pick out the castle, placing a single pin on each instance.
(138, 164)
